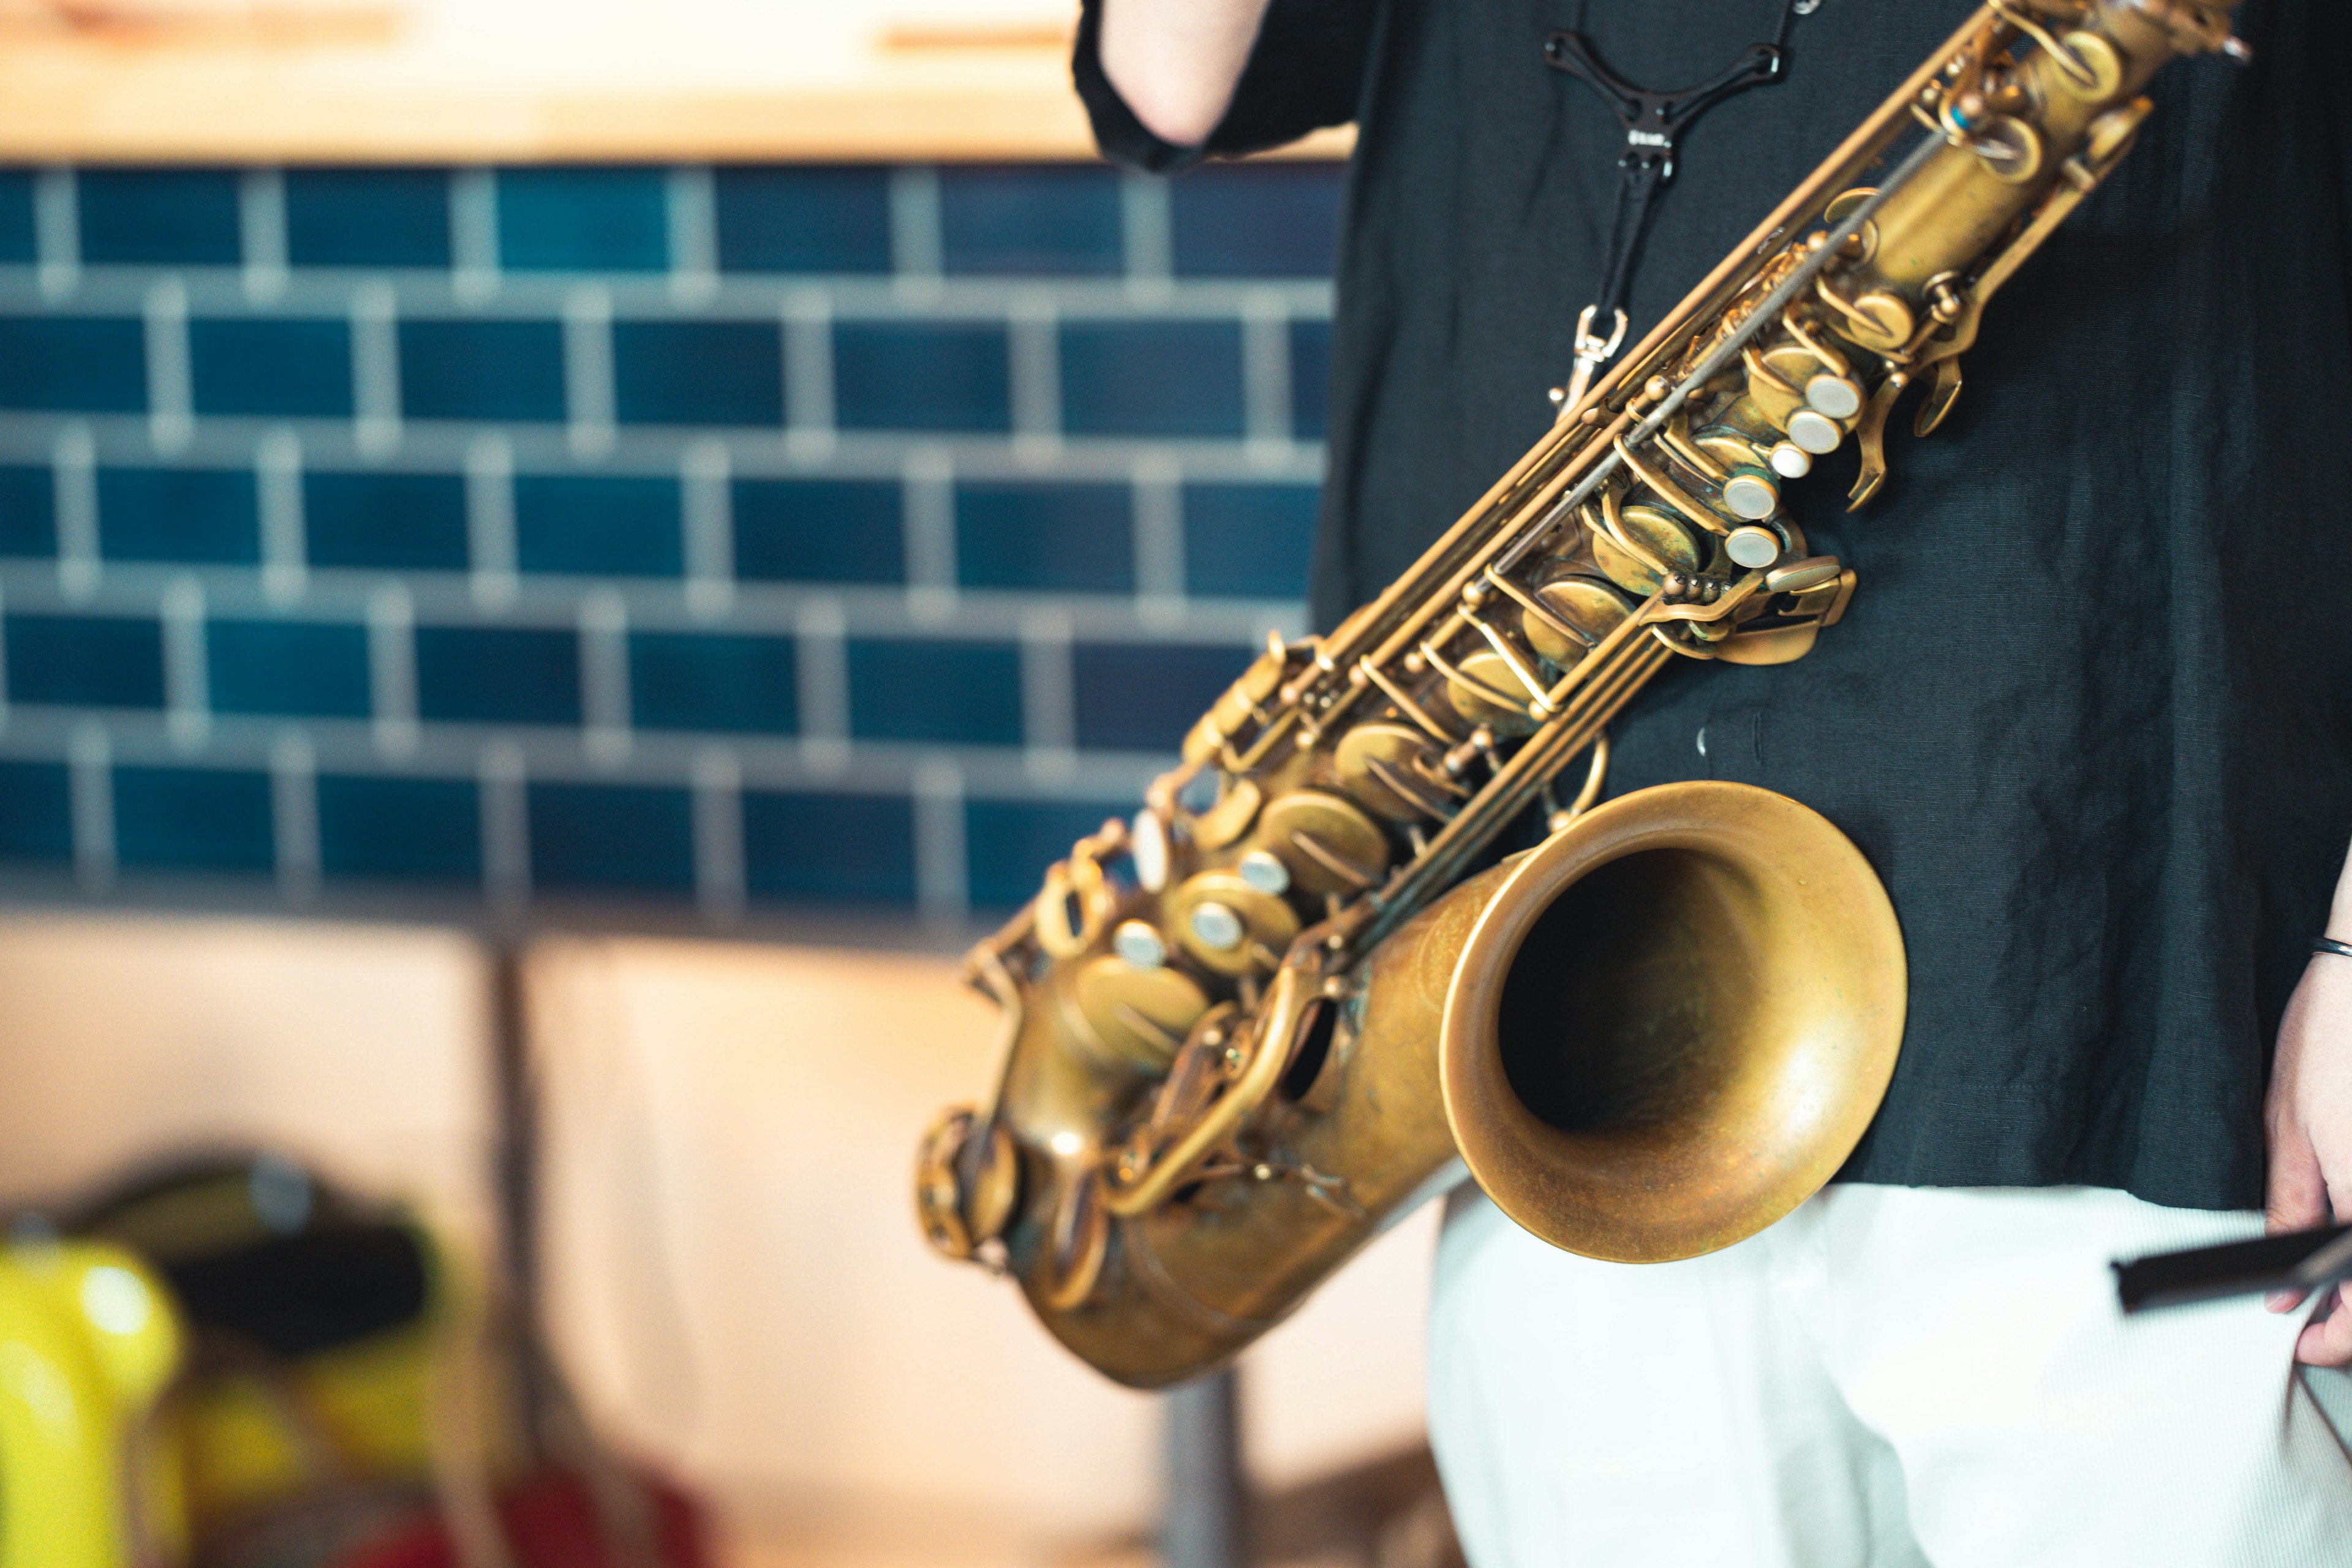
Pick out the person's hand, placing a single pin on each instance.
(2309, 1118)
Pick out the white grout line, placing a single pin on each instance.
(1160, 571)
(391, 671)
(375, 368)
(57, 234)
(261, 226)
(73, 467)
(504, 778)
(294, 814)
(277, 482)
(821, 673)
(1148, 233)
(473, 235)
(1036, 373)
(915, 243)
(928, 482)
(588, 392)
(170, 400)
(693, 234)
(604, 678)
(707, 502)
(1049, 730)
(809, 435)
(941, 887)
(89, 759)
(1265, 376)
(719, 873)
(491, 521)
(188, 696)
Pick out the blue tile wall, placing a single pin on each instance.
(173, 216)
(698, 373)
(819, 530)
(373, 829)
(598, 525)
(81, 364)
(16, 240)
(367, 218)
(36, 811)
(28, 515)
(318, 670)
(373, 517)
(298, 368)
(1036, 219)
(1152, 378)
(1076, 538)
(583, 220)
(802, 220)
(748, 536)
(481, 370)
(192, 819)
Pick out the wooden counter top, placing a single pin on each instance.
(440, 81)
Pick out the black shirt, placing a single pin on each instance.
(2090, 715)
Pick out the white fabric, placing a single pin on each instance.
(1890, 1377)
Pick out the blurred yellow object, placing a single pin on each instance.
(88, 1338)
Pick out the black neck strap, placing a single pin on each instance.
(1653, 123)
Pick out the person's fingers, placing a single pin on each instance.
(2296, 1197)
(2329, 1341)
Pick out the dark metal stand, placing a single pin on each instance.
(1205, 1523)
(2300, 1260)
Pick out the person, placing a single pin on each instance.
(2089, 717)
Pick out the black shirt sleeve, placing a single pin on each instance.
(1304, 72)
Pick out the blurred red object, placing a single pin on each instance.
(551, 1521)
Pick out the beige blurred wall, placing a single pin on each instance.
(739, 1287)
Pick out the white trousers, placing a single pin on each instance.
(1890, 1377)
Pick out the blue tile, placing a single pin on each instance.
(1249, 541)
(1076, 538)
(85, 661)
(583, 220)
(159, 216)
(804, 219)
(697, 680)
(968, 693)
(819, 530)
(481, 370)
(305, 668)
(849, 847)
(192, 819)
(394, 521)
(904, 375)
(1310, 379)
(623, 837)
(400, 830)
(1043, 219)
(36, 811)
(1012, 841)
(698, 373)
(498, 675)
(80, 364)
(16, 243)
(1143, 697)
(367, 218)
(301, 369)
(203, 515)
(1151, 378)
(28, 514)
(598, 525)
(1256, 220)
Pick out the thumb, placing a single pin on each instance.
(2296, 1195)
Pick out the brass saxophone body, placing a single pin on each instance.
(1245, 1029)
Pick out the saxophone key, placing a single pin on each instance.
(1328, 843)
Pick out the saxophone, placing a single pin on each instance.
(1248, 1029)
